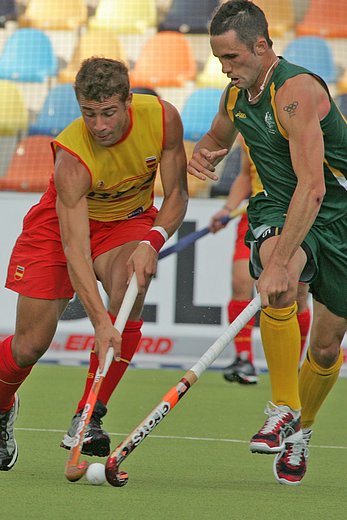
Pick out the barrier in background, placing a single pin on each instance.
(185, 305)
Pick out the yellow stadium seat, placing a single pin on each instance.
(94, 42)
(342, 84)
(54, 14)
(14, 114)
(31, 165)
(212, 76)
(280, 15)
(165, 60)
(125, 16)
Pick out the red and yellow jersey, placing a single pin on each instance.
(122, 175)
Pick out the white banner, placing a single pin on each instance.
(185, 308)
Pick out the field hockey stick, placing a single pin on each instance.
(73, 469)
(189, 239)
(120, 478)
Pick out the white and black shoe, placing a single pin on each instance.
(241, 371)
(96, 441)
(8, 445)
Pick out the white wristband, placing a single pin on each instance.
(161, 231)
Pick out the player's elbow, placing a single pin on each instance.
(317, 194)
(74, 255)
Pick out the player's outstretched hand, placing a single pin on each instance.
(203, 162)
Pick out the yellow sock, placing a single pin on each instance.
(280, 334)
(315, 384)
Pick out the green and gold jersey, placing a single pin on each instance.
(268, 146)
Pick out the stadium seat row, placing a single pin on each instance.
(28, 56)
(319, 17)
(29, 166)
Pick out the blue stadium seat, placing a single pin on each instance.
(28, 56)
(59, 110)
(315, 54)
(186, 17)
(198, 111)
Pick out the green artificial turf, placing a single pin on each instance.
(195, 465)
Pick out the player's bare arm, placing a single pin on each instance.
(173, 172)
(301, 104)
(213, 146)
(72, 183)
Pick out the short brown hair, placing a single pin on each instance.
(245, 18)
(101, 78)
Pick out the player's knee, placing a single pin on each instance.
(27, 352)
(325, 355)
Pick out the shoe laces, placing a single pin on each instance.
(275, 414)
(297, 451)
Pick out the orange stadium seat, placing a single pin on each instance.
(324, 18)
(94, 42)
(54, 14)
(125, 16)
(165, 60)
(280, 15)
(30, 167)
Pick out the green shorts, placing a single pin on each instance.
(326, 251)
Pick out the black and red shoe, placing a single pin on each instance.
(283, 425)
(291, 463)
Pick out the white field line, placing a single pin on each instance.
(177, 437)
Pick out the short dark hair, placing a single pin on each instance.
(101, 78)
(245, 18)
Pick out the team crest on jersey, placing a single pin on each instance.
(151, 162)
(18, 275)
(270, 123)
(240, 115)
(100, 184)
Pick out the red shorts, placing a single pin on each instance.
(241, 251)
(37, 266)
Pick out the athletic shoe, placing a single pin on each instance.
(290, 465)
(283, 425)
(96, 441)
(241, 370)
(8, 445)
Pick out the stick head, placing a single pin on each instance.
(113, 476)
(76, 472)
